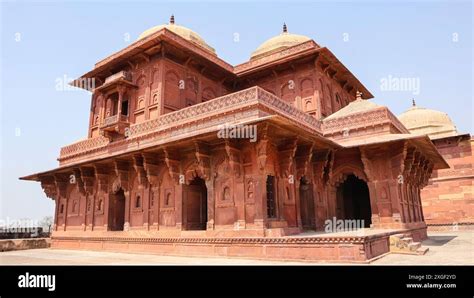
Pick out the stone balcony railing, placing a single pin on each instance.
(83, 146)
(113, 120)
(254, 97)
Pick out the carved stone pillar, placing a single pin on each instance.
(210, 204)
(153, 167)
(102, 178)
(236, 173)
(262, 148)
(61, 181)
(172, 160)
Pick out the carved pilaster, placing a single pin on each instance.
(368, 168)
(203, 159)
(139, 168)
(77, 179)
(88, 178)
(303, 158)
(102, 178)
(121, 170)
(262, 148)
(61, 181)
(153, 168)
(172, 162)
(286, 154)
(233, 157)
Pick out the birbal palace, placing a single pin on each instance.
(189, 155)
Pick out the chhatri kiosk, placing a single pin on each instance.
(154, 175)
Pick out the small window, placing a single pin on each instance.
(99, 205)
(61, 208)
(168, 199)
(138, 202)
(125, 107)
(226, 196)
(74, 206)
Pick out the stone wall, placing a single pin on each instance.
(448, 200)
(20, 244)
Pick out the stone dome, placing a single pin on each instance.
(282, 41)
(184, 32)
(357, 106)
(435, 124)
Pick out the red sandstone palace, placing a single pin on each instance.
(156, 175)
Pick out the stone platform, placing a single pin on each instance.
(359, 246)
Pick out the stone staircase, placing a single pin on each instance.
(403, 244)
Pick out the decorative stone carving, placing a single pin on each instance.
(49, 187)
(203, 159)
(121, 171)
(233, 158)
(102, 177)
(88, 178)
(286, 156)
(262, 147)
(61, 181)
(140, 170)
(172, 162)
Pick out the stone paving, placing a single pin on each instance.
(445, 248)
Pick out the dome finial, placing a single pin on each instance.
(413, 103)
(172, 19)
(285, 29)
(358, 95)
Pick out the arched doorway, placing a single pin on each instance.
(195, 205)
(354, 200)
(116, 211)
(307, 204)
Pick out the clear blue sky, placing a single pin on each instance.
(43, 41)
